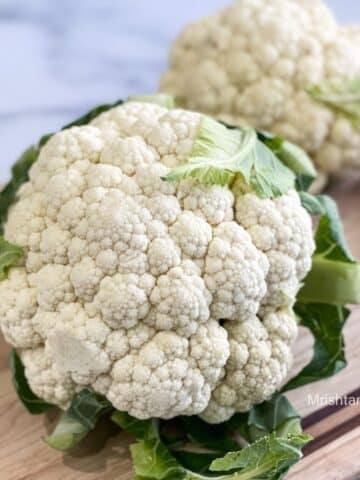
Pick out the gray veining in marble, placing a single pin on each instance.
(61, 57)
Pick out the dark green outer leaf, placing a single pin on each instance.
(137, 428)
(271, 414)
(326, 323)
(274, 415)
(212, 437)
(31, 402)
(196, 462)
(311, 203)
(330, 239)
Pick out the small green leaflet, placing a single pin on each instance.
(335, 275)
(342, 97)
(80, 418)
(9, 256)
(326, 323)
(267, 459)
(220, 153)
(31, 402)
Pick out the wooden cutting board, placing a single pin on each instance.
(334, 455)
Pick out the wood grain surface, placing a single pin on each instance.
(334, 455)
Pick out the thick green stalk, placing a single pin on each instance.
(329, 281)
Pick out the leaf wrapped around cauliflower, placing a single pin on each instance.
(167, 298)
(284, 66)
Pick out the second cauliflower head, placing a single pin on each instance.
(256, 62)
(167, 298)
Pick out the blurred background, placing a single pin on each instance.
(61, 57)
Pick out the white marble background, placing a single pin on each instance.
(59, 58)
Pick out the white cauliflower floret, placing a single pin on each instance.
(181, 300)
(209, 348)
(253, 62)
(85, 278)
(213, 203)
(121, 341)
(149, 179)
(129, 120)
(106, 176)
(127, 278)
(61, 188)
(53, 286)
(192, 234)
(122, 300)
(54, 245)
(259, 361)
(163, 379)
(27, 222)
(235, 273)
(71, 213)
(282, 230)
(173, 136)
(45, 379)
(165, 208)
(64, 149)
(17, 309)
(128, 154)
(163, 254)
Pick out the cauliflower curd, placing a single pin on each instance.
(167, 298)
(252, 62)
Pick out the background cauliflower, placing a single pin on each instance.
(283, 65)
(167, 298)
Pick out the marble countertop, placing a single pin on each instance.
(60, 58)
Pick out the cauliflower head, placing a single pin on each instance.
(168, 298)
(260, 63)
